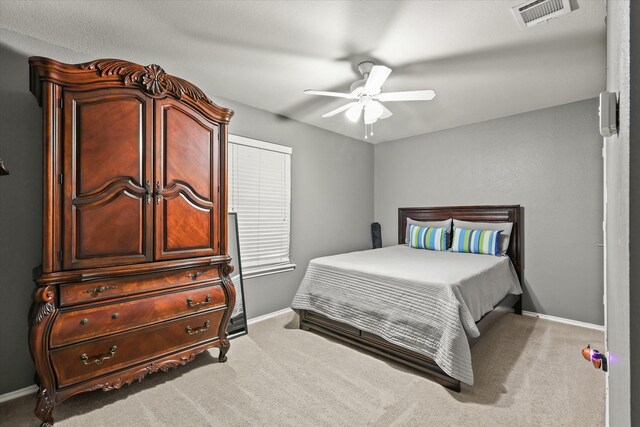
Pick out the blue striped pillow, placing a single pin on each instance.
(432, 238)
(476, 241)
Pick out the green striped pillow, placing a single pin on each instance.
(431, 238)
(476, 241)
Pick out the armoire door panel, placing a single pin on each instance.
(187, 175)
(187, 151)
(112, 227)
(99, 160)
(187, 224)
(108, 216)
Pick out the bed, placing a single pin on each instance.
(422, 308)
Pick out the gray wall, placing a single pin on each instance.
(20, 217)
(623, 204)
(20, 206)
(549, 161)
(332, 199)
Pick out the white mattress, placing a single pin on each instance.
(425, 301)
(483, 280)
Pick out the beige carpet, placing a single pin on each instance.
(528, 372)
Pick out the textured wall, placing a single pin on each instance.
(549, 161)
(332, 198)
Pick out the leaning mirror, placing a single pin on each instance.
(238, 323)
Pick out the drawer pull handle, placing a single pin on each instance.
(191, 304)
(99, 359)
(100, 289)
(197, 331)
(194, 276)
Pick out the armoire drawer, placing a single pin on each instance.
(79, 362)
(81, 324)
(96, 290)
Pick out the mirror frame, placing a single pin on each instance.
(237, 326)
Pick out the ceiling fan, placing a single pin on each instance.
(368, 96)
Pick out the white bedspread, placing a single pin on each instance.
(425, 301)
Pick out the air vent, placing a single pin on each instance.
(537, 11)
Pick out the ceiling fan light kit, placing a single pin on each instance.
(368, 97)
(355, 111)
(372, 112)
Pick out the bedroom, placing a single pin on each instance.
(522, 102)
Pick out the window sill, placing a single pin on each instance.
(266, 271)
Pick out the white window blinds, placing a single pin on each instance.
(260, 192)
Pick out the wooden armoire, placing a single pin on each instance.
(135, 271)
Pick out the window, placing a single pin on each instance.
(260, 192)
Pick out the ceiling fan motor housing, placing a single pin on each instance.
(365, 69)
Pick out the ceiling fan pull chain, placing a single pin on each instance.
(371, 129)
(365, 130)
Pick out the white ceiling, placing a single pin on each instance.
(265, 53)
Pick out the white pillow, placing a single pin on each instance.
(433, 224)
(506, 228)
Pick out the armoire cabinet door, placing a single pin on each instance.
(187, 180)
(108, 175)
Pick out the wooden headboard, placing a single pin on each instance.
(497, 213)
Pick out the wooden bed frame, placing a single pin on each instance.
(310, 320)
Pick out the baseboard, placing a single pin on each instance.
(563, 320)
(524, 313)
(32, 389)
(269, 316)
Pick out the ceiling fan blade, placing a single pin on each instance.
(376, 79)
(339, 110)
(334, 94)
(385, 112)
(372, 112)
(410, 95)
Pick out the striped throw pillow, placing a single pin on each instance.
(476, 241)
(432, 238)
